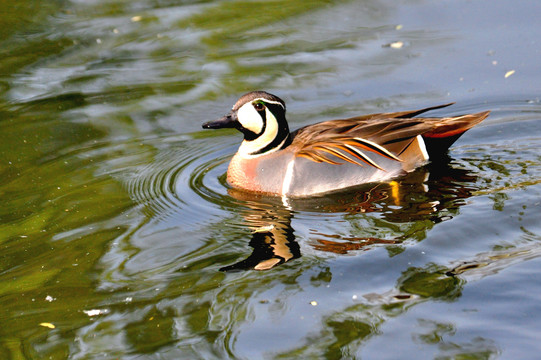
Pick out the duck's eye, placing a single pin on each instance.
(259, 106)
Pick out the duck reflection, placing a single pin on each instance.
(432, 193)
(272, 239)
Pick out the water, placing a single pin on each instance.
(116, 218)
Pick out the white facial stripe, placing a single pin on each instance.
(250, 119)
(268, 101)
(271, 130)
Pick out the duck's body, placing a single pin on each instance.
(334, 154)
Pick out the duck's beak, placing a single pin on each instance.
(228, 121)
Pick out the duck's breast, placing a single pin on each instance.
(265, 174)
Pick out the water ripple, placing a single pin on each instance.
(180, 175)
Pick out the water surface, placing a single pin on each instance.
(116, 218)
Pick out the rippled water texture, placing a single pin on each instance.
(120, 238)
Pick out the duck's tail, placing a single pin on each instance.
(440, 138)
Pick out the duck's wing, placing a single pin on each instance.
(385, 134)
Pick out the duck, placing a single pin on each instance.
(332, 155)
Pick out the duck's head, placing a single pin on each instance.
(261, 117)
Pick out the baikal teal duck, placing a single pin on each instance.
(335, 154)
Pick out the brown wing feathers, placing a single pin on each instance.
(378, 133)
(347, 149)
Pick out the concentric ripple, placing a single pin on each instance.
(180, 174)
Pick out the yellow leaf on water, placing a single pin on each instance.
(47, 325)
(509, 73)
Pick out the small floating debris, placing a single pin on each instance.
(47, 325)
(509, 73)
(136, 18)
(399, 27)
(395, 45)
(313, 303)
(49, 298)
(96, 312)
